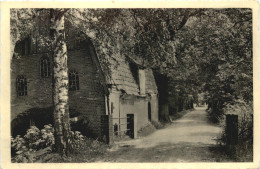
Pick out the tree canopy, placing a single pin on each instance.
(208, 49)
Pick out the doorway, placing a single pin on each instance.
(149, 112)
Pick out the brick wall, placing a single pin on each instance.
(107, 129)
(89, 100)
(39, 88)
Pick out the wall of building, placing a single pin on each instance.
(89, 100)
(38, 88)
(131, 104)
(135, 105)
(154, 107)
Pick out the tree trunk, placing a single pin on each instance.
(162, 84)
(60, 81)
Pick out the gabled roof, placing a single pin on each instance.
(121, 76)
(117, 73)
(96, 61)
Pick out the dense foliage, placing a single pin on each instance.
(243, 151)
(34, 140)
(36, 145)
(226, 60)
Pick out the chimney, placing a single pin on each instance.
(141, 73)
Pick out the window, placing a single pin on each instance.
(21, 86)
(73, 80)
(23, 47)
(26, 46)
(134, 70)
(45, 67)
(139, 77)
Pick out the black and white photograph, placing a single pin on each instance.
(131, 85)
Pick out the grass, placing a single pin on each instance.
(239, 153)
(243, 152)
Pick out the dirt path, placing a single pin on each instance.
(189, 139)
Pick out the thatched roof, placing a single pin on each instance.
(118, 73)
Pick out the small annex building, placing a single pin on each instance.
(132, 92)
(127, 91)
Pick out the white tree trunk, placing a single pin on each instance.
(60, 82)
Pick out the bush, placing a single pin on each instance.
(80, 143)
(82, 149)
(38, 139)
(20, 152)
(215, 115)
(22, 148)
(76, 141)
(83, 125)
(244, 150)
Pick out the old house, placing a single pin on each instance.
(127, 93)
(132, 91)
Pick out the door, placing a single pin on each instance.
(130, 125)
(149, 112)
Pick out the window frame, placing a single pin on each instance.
(21, 86)
(73, 80)
(45, 67)
(26, 46)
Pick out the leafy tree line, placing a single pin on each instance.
(225, 63)
(196, 50)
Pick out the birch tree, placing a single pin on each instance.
(60, 80)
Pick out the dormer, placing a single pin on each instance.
(139, 76)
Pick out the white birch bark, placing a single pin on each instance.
(60, 82)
